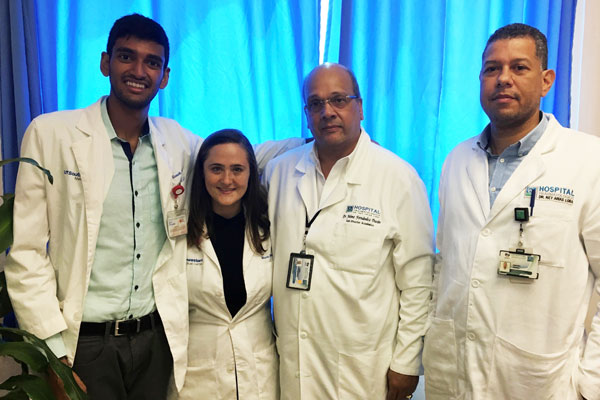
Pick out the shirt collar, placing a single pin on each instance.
(523, 146)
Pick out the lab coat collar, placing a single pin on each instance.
(531, 168)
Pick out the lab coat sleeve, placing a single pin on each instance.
(589, 368)
(268, 150)
(29, 272)
(438, 259)
(413, 253)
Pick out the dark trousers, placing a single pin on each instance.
(132, 367)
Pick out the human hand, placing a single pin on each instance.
(56, 384)
(400, 386)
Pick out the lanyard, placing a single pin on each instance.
(307, 227)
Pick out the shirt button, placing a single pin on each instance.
(138, 256)
(136, 192)
(137, 225)
(502, 160)
(471, 336)
(493, 189)
(130, 316)
(475, 283)
(303, 335)
(230, 368)
(486, 232)
(136, 287)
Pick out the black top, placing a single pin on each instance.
(228, 242)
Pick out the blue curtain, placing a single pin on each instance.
(20, 96)
(418, 64)
(234, 63)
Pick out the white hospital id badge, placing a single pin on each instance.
(300, 271)
(177, 223)
(519, 263)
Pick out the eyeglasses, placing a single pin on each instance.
(317, 105)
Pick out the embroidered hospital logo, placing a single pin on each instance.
(75, 175)
(553, 193)
(194, 261)
(362, 215)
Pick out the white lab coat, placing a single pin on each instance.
(493, 338)
(48, 288)
(338, 340)
(222, 348)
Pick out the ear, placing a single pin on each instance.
(548, 77)
(165, 78)
(105, 64)
(359, 101)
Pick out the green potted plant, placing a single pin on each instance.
(31, 352)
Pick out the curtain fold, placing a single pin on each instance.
(234, 63)
(20, 96)
(418, 66)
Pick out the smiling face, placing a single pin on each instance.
(513, 83)
(334, 128)
(226, 174)
(136, 71)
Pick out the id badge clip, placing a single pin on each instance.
(177, 219)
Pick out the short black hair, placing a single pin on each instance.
(522, 30)
(141, 27)
(355, 87)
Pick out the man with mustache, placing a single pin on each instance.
(90, 269)
(352, 245)
(519, 239)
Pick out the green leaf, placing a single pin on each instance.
(6, 222)
(5, 304)
(29, 161)
(15, 395)
(25, 352)
(64, 372)
(35, 387)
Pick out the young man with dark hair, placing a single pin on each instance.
(104, 293)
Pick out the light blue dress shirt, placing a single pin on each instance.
(501, 167)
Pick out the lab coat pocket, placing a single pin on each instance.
(440, 360)
(518, 374)
(360, 375)
(267, 372)
(361, 247)
(547, 232)
(201, 381)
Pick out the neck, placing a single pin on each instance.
(502, 136)
(329, 155)
(127, 122)
(226, 212)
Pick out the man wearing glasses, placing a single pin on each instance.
(352, 240)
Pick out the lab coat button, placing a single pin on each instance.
(475, 283)
(486, 232)
(303, 335)
(230, 368)
(471, 336)
(304, 295)
(297, 374)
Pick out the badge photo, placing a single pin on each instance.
(300, 271)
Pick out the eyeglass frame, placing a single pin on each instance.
(328, 101)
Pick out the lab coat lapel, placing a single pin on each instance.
(93, 155)
(307, 181)
(165, 178)
(477, 170)
(531, 168)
